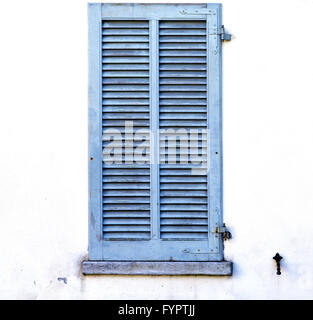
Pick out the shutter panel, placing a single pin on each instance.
(183, 105)
(125, 92)
(156, 69)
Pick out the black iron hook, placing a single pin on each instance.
(277, 258)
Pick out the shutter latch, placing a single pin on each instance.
(224, 35)
(226, 235)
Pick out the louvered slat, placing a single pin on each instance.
(125, 94)
(183, 106)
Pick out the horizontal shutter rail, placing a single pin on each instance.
(125, 193)
(183, 24)
(120, 123)
(127, 95)
(179, 172)
(126, 166)
(128, 207)
(181, 102)
(126, 236)
(178, 152)
(184, 214)
(182, 109)
(187, 124)
(170, 135)
(175, 207)
(124, 228)
(182, 166)
(184, 228)
(183, 115)
(125, 39)
(184, 179)
(126, 144)
(119, 186)
(126, 171)
(119, 109)
(184, 236)
(126, 179)
(183, 95)
(172, 156)
(180, 74)
(130, 216)
(123, 45)
(178, 193)
(178, 45)
(184, 32)
(125, 80)
(183, 38)
(135, 200)
(123, 73)
(124, 24)
(125, 53)
(182, 67)
(125, 60)
(188, 81)
(184, 200)
(125, 31)
(122, 132)
(123, 221)
(183, 87)
(124, 66)
(125, 116)
(182, 53)
(180, 60)
(127, 88)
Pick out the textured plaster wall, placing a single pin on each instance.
(268, 156)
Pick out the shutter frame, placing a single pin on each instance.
(94, 131)
(176, 250)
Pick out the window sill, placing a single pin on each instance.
(220, 268)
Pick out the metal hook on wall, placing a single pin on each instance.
(277, 258)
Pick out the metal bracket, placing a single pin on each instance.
(224, 36)
(195, 251)
(196, 11)
(226, 235)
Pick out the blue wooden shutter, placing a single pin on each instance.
(158, 66)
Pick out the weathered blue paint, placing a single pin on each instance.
(95, 131)
(183, 197)
(154, 125)
(215, 127)
(156, 241)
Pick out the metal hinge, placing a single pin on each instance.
(203, 11)
(224, 36)
(196, 11)
(226, 235)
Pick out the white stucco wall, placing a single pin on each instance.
(268, 156)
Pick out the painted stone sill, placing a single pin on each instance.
(212, 268)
